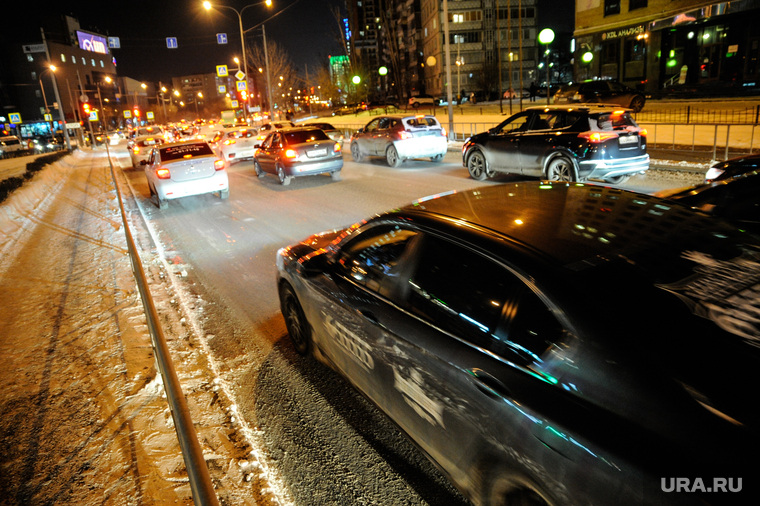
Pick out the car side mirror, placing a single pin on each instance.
(143, 162)
(316, 264)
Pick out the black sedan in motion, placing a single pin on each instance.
(561, 143)
(551, 343)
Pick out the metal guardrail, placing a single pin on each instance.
(197, 470)
(690, 114)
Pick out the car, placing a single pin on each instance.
(545, 342)
(11, 145)
(735, 199)
(564, 143)
(602, 92)
(237, 144)
(733, 167)
(141, 148)
(296, 152)
(145, 131)
(267, 128)
(400, 137)
(182, 169)
(331, 131)
(422, 101)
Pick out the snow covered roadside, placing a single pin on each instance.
(84, 419)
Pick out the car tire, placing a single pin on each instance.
(335, 176)
(416, 105)
(257, 169)
(560, 168)
(436, 158)
(284, 179)
(637, 103)
(295, 320)
(356, 152)
(224, 194)
(618, 179)
(162, 203)
(391, 156)
(511, 491)
(477, 166)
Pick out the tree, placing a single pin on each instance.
(282, 74)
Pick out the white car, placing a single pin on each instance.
(237, 144)
(268, 128)
(183, 169)
(422, 101)
(140, 149)
(398, 138)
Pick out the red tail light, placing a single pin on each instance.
(597, 137)
(230, 141)
(163, 173)
(218, 164)
(336, 148)
(405, 135)
(443, 131)
(289, 153)
(643, 132)
(136, 150)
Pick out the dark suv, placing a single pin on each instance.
(562, 143)
(601, 92)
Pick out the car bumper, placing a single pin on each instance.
(168, 189)
(422, 147)
(311, 168)
(604, 169)
(240, 154)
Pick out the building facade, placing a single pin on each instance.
(656, 45)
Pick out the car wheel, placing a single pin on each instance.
(391, 156)
(618, 179)
(295, 320)
(560, 169)
(436, 158)
(637, 104)
(356, 153)
(224, 194)
(416, 105)
(335, 176)
(284, 180)
(257, 169)
(162, 203)
(503, 491)
(476, 166)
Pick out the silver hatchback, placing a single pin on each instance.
(399, 138)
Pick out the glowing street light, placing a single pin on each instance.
(546, 37)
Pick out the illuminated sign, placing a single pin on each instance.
(92, 42)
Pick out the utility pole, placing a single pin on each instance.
(57, 96)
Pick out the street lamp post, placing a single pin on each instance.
(57, 97)
(239, 13)
(44, 99)
(546, 37)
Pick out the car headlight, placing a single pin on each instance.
(713, 173)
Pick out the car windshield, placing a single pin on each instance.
(179, 151)
(301, 136)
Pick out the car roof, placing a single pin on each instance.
(591, 108)
(572, 224)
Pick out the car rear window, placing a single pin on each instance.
(301, 136)
(424, 121)
(150, 142)
(185, 151)
(613, 121)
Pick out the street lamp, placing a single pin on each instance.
(546, 37)
(208, 5)
(44, 99)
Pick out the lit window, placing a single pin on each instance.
(63, 58)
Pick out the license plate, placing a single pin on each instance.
(628, 139)
(316, 152)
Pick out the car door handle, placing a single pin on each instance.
(489, 385)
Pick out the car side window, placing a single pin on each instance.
(372, 125)
(517, 123)
(374, 259)
(459, 290)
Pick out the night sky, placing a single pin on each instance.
(305, 29)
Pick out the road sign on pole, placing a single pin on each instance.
(221, 38)
(221, 71)
(171, 42)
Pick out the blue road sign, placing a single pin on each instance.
(221, 38)
(114, 43)
(171, 42)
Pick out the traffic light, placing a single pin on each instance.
(136, 112)
(86, 109)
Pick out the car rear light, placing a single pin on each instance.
(443, 131)
(405, 135)
(597, 137)
(336, 148)
(289, 153)
(163, 173)
(136, 150)
(228, 142)
(643, 132)
(218, 164)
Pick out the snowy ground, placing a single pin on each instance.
(84, 416)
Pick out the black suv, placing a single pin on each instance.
(601, 92)
(562, 143)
